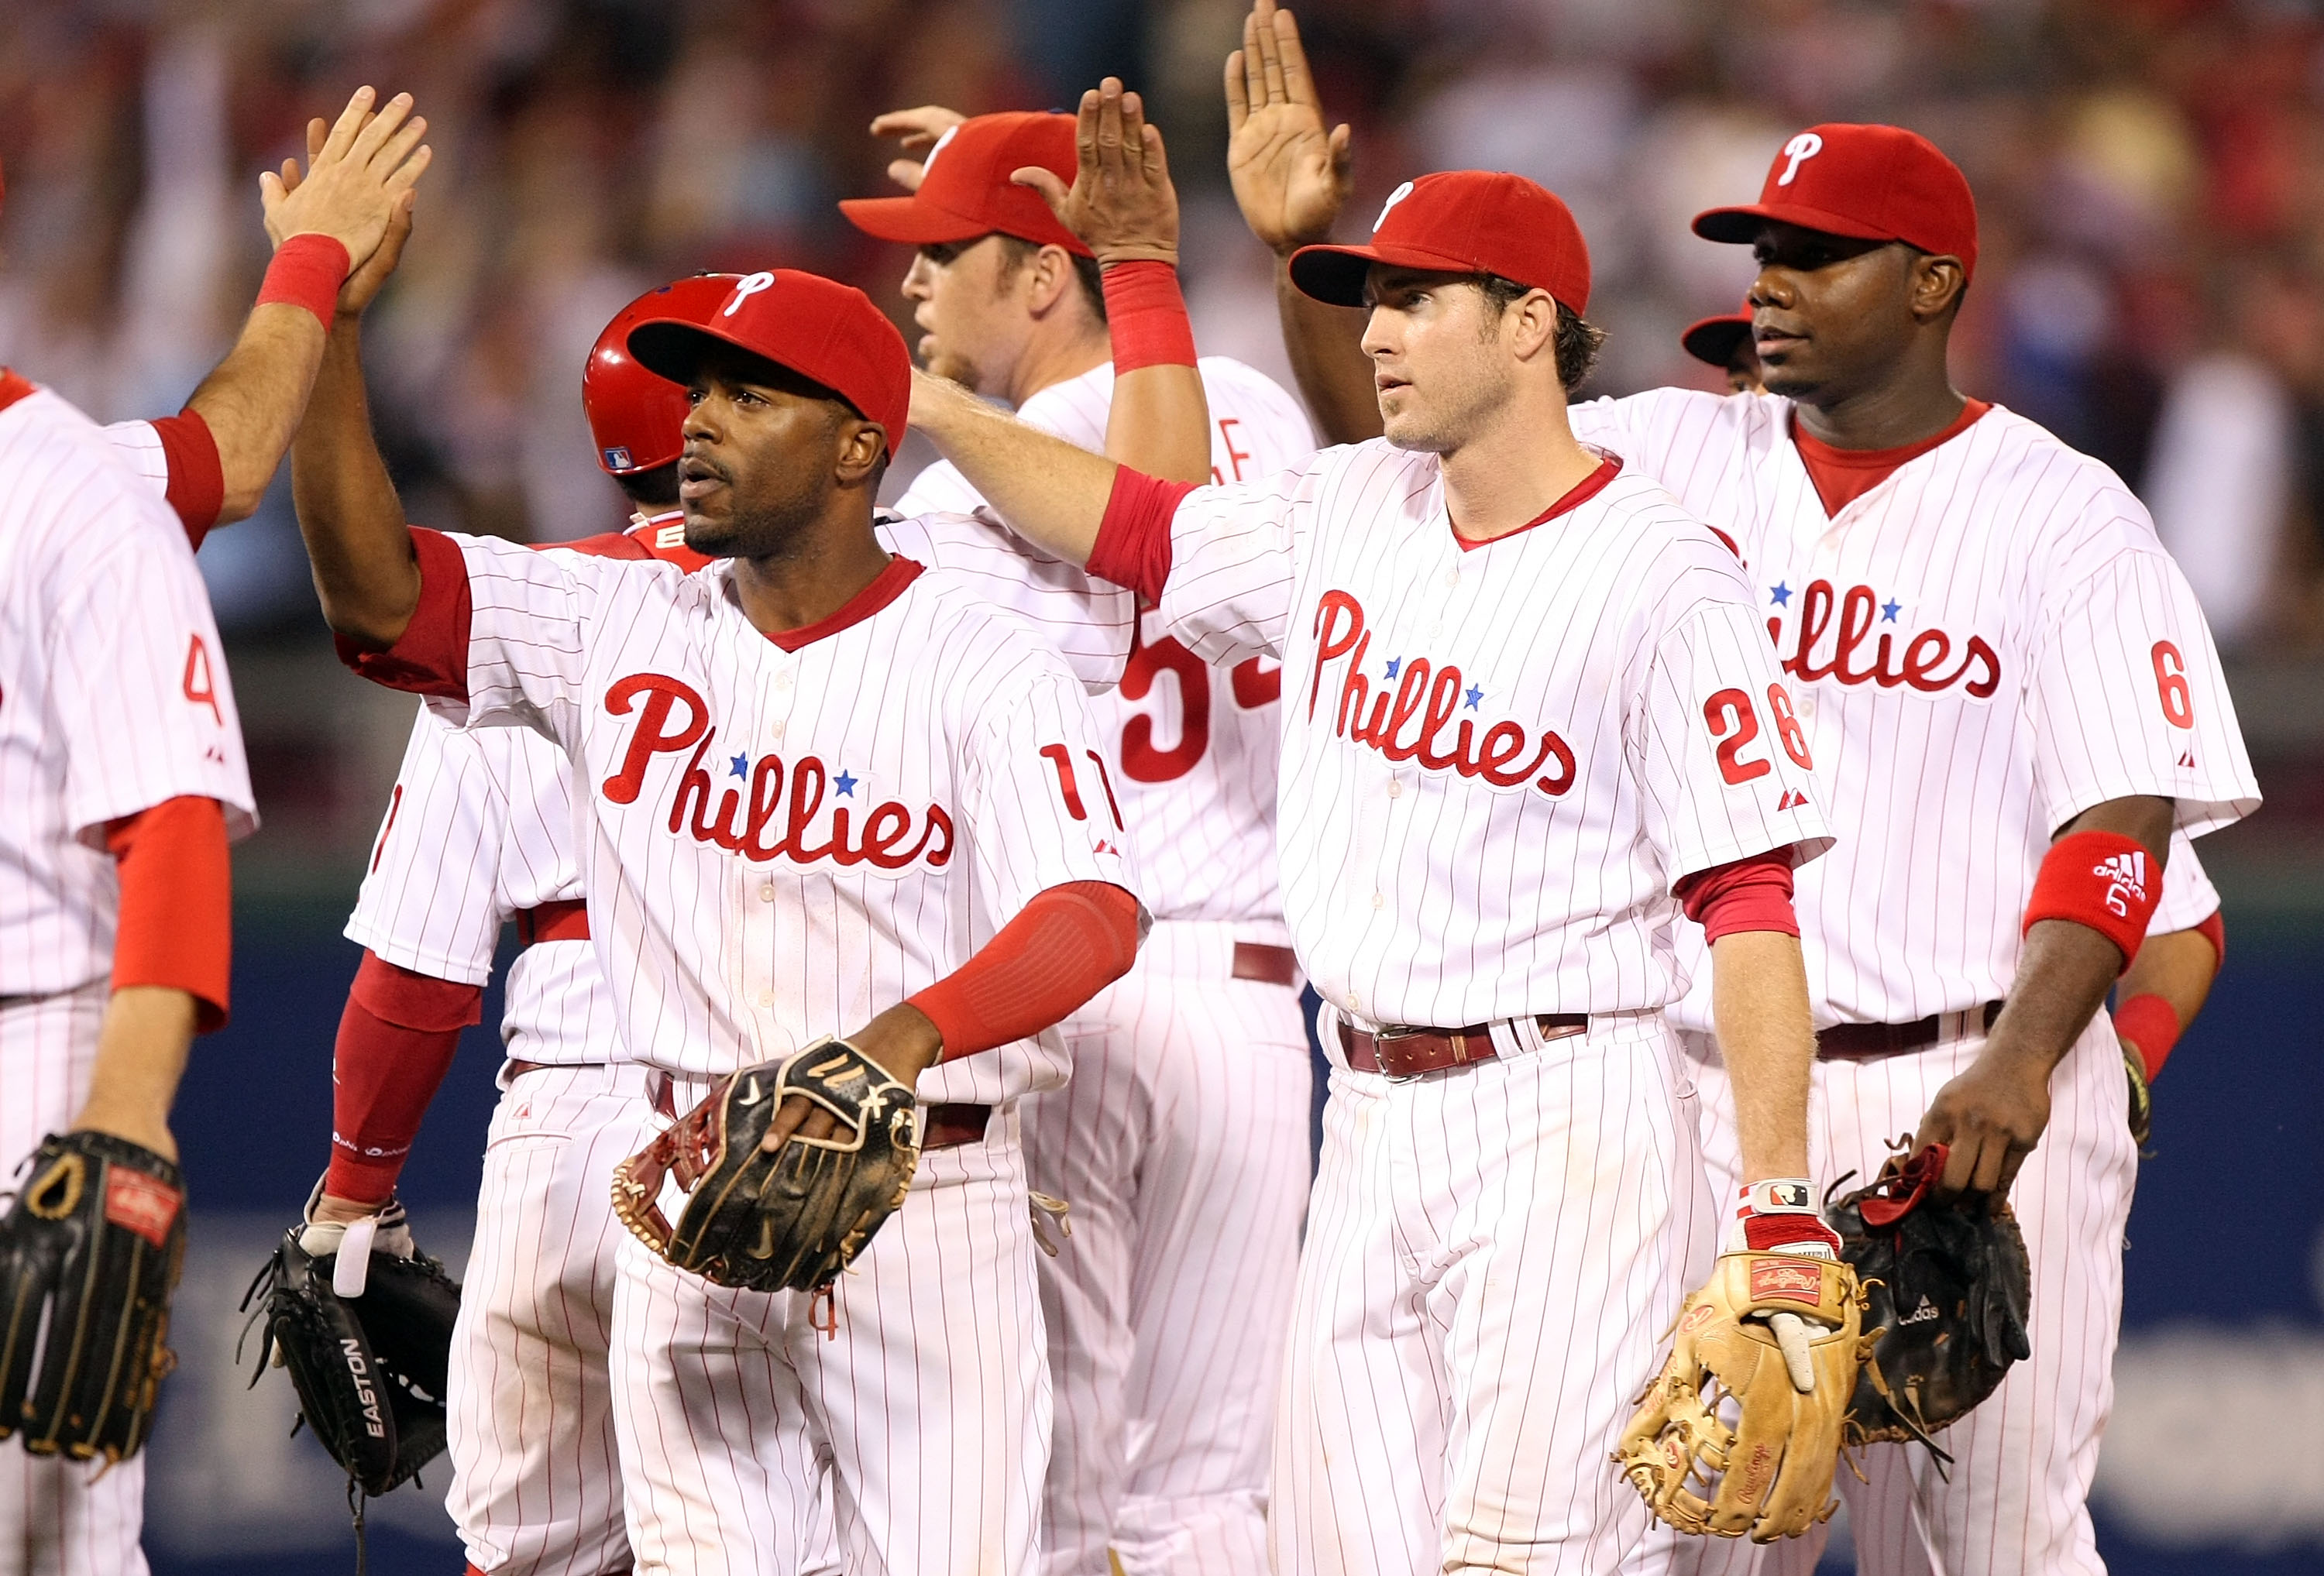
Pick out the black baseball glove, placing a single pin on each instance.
(788, 1221)
(1950, 1288)
(89, 1253)
(368, 1342)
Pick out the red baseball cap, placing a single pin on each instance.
(1875, 183)
(636, 416)
(965, 192)
(818, 328)
(1716, 340)
(1469, 221)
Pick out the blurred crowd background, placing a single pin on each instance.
(2150, 177)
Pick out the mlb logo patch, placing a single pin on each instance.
(618, 459)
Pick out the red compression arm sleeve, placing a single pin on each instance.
(177, 903)
(1748, 894)
(432, 657)
(2215, 931)
(1066, 945)
(1133, 540)
(396, 1040)
(196, 488)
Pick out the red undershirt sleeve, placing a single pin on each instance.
(396, 1040)
(1747, 894)
(196, 488)
(2215, 931)
(176, 927)
(432, 657)
(1064, 947)
(1133, 540)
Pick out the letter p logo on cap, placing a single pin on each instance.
(751, 285)
(1798, 151)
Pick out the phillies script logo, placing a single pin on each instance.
(1415, 721)
(773, 818)
(1926, 662)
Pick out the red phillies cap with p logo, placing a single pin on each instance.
(1873, 183)
(965, 192)
(1466, 221)
(821, 329)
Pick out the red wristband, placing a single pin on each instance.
(307, 271)
(1147, 317)
(2151, 1024)
(2103, 879)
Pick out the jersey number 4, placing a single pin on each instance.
(1735, 724)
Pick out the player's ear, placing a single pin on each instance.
(1532, 325)
(1936, 285)
(1052, 276)
(862, 452)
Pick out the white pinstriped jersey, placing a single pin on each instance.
(114, 694)
(1986, 644)
(479, 824)
(1192, 746)
(1496, 759)
(138, 445)
(778, 844)
(2189, 898)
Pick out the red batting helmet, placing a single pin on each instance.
(635, 417)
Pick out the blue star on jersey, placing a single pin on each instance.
(1780, 594)
(740, 765)
(843, 783)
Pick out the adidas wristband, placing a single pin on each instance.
(2102, 880)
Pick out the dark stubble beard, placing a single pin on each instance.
(765, 523)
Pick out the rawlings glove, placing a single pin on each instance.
(362, 1319)
(788, 1220)
(1949, 1290)
(89, 1253)
(1764, 1358)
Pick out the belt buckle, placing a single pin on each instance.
(1381, 1038)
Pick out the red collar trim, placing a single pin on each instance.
(1589, 487)
(13, 388)
(1819, 452)
(886, 586)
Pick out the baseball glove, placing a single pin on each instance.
(788, 1221)
(89, 1253)
(1948, 1287)
(1773, 1466)
(362, 1319)
(2141, 1100)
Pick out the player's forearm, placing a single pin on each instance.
(1759, 1008)
(2067, 968)
(358, 541)
(1050, 492)
(252, 400)
(1328, 362)
(2178, 966)
(141, 1054)
(1160, 422)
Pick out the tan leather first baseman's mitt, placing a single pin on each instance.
(1768, 1471)
(792, 1220)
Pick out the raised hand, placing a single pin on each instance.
(919, 130)
(365, 167)
(1122, 203)
(1290, 175)
(363, 284)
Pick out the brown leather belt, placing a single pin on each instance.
(941, 1127)
(1274, 965)
(566, 920)
(1413, 1052)
(1868, 1042)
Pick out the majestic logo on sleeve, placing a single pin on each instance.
(1864, 646)
(1420, 719)
(771, 811)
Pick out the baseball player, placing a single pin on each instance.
(1725, 342)
(1182, 1140)
(124, 768)
(821, 780)
(1516, 679)
(1996, 625)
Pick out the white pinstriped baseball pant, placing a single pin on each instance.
(917, 1433)
(1180, 1144)
(536, 1475)
(2017, 1504)
(1490, 1263)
